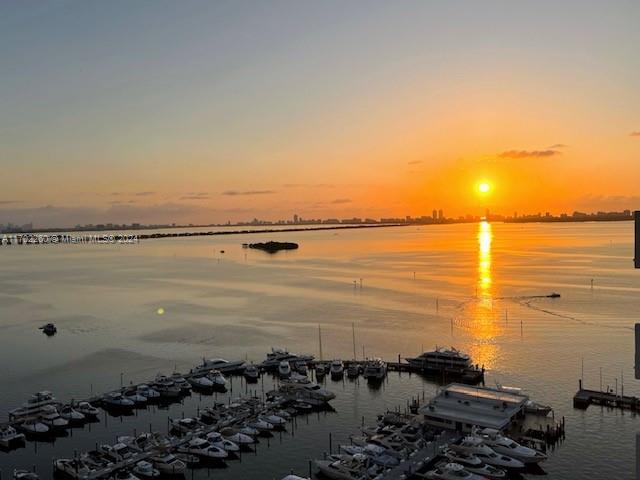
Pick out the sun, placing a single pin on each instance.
(484, 187)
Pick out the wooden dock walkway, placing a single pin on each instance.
(584, 397)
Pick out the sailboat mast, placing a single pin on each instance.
(353, 333)
(320, 341)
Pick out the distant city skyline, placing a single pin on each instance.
(200, 112)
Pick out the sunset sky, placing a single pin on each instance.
(208, 111)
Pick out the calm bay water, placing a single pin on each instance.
(472, 286)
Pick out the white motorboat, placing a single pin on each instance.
(144, 469)
(201, 382)
(452, 471)
(147, 392)
(537, 409)
(355, 467)
(25, 475)
(33, 426)
(145, 441)
(295, 477)
(74, 468)
(165, 387)
(505, 446)
(169, 464)
(251, 373)
(474, 465)
(337, 369)
(219, 364)
(181, 382)
(72, 415)
(353, 370)
(202, 448)
(475, 445)
(185, 425)
(305, 391)
(116, 400)
(241, 436)
(88, 410)
(51, 418)
(284, 369)
(375, 370)
(261, 425)
(135, 397)
(275, 420)
(278, 355)
(9, 436)
(33, 405)
(217, 378)
(376, 453)
(116, 453)
(216, 439)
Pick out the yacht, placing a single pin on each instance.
(506, 446)
(251, 373)
(353, 370)
(74, 468)
(302, 369)
(219, 364)
(475, 445)
(9, 436)
(321, 370)
(376, 453)
(51, 418)
(165, 387)
(278, 355)
(240, 436)
(336, 369)
(217, 440)
(440, 360)
(33, 405)
(305, 391)
(261, 425)
(144, 469)
(452, 471)
(179, 380)
(33, 426)
(88, 410)
(147, 392)
(284, 369)
(473, 464)
(202, 448)
(275, 420)
(116, 400)
(375, 370)
(185, 425)
(217, 378)
(169, 464)
(116, 453)
(352, 468)
(72, 415)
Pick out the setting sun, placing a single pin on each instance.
(484, 187)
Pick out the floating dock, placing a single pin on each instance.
(584, 397)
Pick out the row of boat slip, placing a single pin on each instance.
(219, 434)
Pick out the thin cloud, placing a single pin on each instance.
(9, 202)
(414, 162)
(529, 153)
(195, 196)
(144, 194)
(308, 185)
(557, 145)
(248, 192)
(339, 201)
(635, 134)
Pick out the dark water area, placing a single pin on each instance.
(136, 310)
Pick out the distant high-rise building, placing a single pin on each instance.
(435, 214)
(295, 218)
(440, 215)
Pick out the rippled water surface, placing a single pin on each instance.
(474, 286)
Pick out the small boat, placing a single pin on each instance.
(337, 369)
(123, 475)
(33, 426)
(202, 448)
(474, 465)
(133, 395)
(375, 370)
(452, 471)
(261, 425)
(149, 393)
(353, 370)
(74, 468)
(376, 453)
(354, 467)
(116, 453)
(9, 436)
(165, 387)
(303, 406)
(25, 475)
(278, 422)
(201, 382)
(49, 329)
(217, 378)
(216, 439)
(505, 446)
(240, 436)
(51, 418)
(180, 381)
(169, 464)
(301, 368)
(185, 425)
(72, 415)
(284, 369)
(537, 409)
(145, 469)
(553, 295)
(295, 477)
(475, 445)
(251, 373)
(189, 460)
(116, 400)
(321, 370)
(88, 410)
